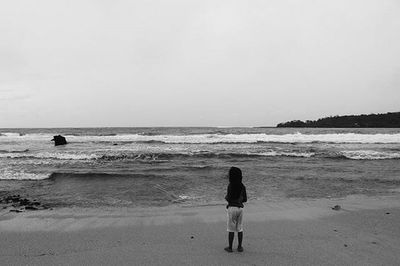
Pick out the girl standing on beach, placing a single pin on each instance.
(235, 197)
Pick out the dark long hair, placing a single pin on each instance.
(235, 182)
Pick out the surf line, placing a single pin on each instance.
(172, 197)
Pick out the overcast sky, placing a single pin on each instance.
(195, 62)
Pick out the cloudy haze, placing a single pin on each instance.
(195, 63)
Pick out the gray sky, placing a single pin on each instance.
(195, 62)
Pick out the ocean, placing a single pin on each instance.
(145, 167)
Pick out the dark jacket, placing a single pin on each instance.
(236, 195)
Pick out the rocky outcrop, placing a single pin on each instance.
(59, 140)
(16, 203)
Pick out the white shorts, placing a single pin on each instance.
(235, 217)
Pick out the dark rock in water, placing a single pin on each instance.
(11, 199)
(24, 202)
(17, 202)
(59, 140)
(16, 210)
(336, 208)
(32, 208)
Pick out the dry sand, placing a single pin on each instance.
(294, 232)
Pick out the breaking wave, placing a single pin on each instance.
(370, 155)
(165, 156)
(390, 181)
(350, 155)
(16, 151)
(99, 175)
(22, 175)
(217, 138)
(151, 156)
(48, 155)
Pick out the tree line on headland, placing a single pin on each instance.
(388, 120)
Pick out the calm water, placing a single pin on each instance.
(163, 166)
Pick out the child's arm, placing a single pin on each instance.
(227, 197)
(244, 194)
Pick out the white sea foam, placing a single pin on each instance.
(219, 138)
(370, 155)
(249, 138)
(287, 154)
(21, 175)
(12, 136)
(50, 155)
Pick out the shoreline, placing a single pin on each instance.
(364, 232)
(77, 218)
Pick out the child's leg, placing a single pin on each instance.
(240, 230)
(231, 235)
(240, 238)
(230, 229)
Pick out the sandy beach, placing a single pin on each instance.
(131, 131)
(293, 232)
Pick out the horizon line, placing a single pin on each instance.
(139, 127)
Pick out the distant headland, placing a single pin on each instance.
(388, 120)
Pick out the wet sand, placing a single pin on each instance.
(294, 232)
